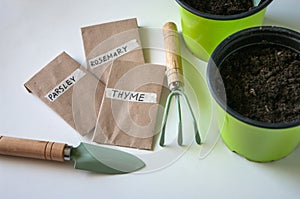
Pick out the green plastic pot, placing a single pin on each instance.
(257, 141)
(202, 32)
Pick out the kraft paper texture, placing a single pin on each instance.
(127, 123)
(101, 39)
(80, 102)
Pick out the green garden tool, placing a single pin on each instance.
(85, 156)
(174, 75)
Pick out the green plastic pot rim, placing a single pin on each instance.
(257, 9)
(260, 29)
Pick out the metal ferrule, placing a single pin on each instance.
(67, 152)
(176, 86)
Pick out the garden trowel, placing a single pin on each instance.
(85, 157)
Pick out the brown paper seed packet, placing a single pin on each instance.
(130, 105)
(70, 90)
(104, 43)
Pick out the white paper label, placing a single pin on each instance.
(113, 54)
(65, 85)
(131, 96)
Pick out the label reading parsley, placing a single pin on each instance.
(65, 85)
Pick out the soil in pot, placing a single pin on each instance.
(262, 82)
(221, 7)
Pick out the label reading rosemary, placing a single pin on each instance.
(114, 53)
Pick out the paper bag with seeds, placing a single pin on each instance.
(118, 40)
(129, 108)
(70, 90)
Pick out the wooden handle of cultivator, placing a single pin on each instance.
(172, 51)
(32, 148)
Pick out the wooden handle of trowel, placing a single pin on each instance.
(32, 148)
(172, 51)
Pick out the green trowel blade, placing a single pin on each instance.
(104, 160)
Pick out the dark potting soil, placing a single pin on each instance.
(221, 7)
(263, 83)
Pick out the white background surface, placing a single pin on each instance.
(33, 32)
